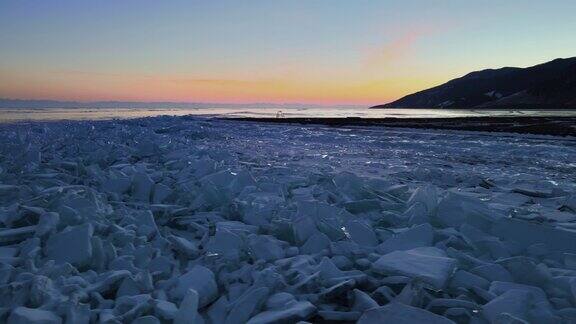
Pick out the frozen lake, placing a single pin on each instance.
(7, 115)
(220, 221)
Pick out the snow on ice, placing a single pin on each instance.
(192, 220)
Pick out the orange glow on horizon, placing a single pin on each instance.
(91, 87)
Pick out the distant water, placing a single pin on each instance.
(9, 115)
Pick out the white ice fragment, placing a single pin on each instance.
(427, 196)
(142, 187)
(87, 206)
(363, 206)
(573, 289)
(538, 295)
(351, 186)
(165, 309)
(106, 281)
(146, 223)
(417, 214)
(182, 245)
(558, 216)
(398, 313)
(7, 189)
(201, 279)
(210, 197)
(570, 260)
(452, 303)
(363, 263)
(25, 315)
(342, 262)
(220, 179)
(146, 148)
(492, 272)
(127, 308)
(148, 319)
(338, 316)
(47, 223)
(526, 234)
(118, 185)
(510, 199)
(107, 316)
(290, 313)
(539, 190)
(339, 289)
(453, 209)
(160, 193)
(331, 274)
(303, 228)
(128, 287)
(31, 157)
(315, 244)
(513, 302)
(226, 243)
(68, 216)
(459, 208)
(526, 270)
(265, 247)
(484, 243)
(8, 235)
(417, 236)
(203, 166)
(247, 305)
(279, 300)
(465, 279)
(570, 202)
(78, 313)
(161, 264)
(188, 311)
(8, 251)
(73, 245)
(362, 301)
(218, 310)
(361, 233)
(425, 265)
(242, 180)
(236, 227)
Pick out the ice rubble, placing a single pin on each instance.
(194, 221)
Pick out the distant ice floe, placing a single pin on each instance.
(189, 220)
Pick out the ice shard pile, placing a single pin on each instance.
(191, 220)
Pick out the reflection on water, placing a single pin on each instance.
(7, 115)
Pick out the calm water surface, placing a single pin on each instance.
(10, 115)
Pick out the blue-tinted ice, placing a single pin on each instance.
(191, 220)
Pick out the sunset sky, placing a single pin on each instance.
(325, 51)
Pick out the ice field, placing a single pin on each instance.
(196, 220)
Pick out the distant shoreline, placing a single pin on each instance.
(556, 126)
(533, 108)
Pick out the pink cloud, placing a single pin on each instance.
(402, 45)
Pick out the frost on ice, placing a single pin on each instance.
(188, 220)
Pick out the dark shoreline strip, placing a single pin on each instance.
(557, 126)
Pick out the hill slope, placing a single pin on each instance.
(546, 86)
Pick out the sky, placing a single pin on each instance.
(294, 51)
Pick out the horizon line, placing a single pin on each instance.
(86, 102)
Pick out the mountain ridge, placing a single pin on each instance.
(550, 85)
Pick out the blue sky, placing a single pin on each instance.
(281, 51)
